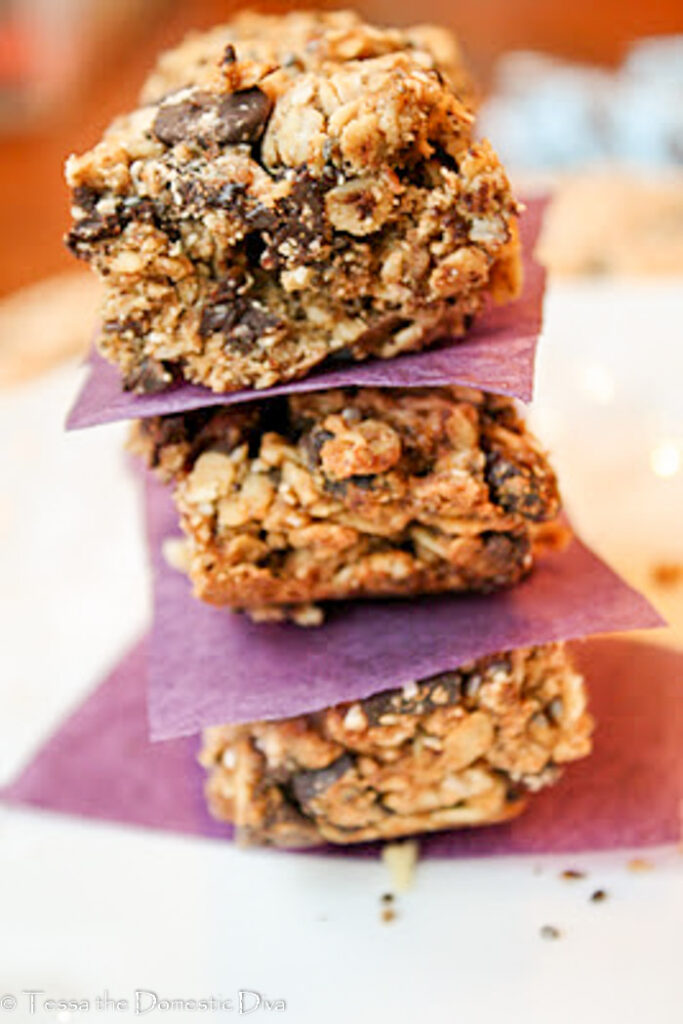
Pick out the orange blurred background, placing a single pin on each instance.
(33, 200)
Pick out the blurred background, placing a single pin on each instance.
(584, 100)
(568, 84)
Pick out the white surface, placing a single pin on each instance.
(87, 907)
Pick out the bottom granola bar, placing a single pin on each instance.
(459, 749)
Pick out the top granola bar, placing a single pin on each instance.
(292, 189)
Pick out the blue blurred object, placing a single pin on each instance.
(551, 114)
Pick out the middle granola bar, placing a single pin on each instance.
(352, 493)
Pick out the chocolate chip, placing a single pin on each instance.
(296, 232)
(516, 488)
(337, 488)
(241, 320)
(151, 377)
(93, 229)
(229, 197)
(471, 686)
(205, 119)
(342, 357)
(229, 55)
(177, 122)
(513, 794)
(85, 197)
(129, 325)
(446, 160)
(253, 323)
(363, 481)
(226, 305)
(555, 710)
(218, 318)
(97, 227)
(261, 218)
(243, 115)
(437, 692)
(311, 444)
(505, 550)
(308, 785)
(380, 331)
(450, 682)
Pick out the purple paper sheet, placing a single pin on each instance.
(100, 764)
(209, 665)
(498, 356)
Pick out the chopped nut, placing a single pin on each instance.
(176, 552)
(371, 447)
(212, 476)
(355, 719)
(401, 860)
(469, 740)
(307, 615)
(359, 206)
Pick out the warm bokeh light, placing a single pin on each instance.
(665, 458)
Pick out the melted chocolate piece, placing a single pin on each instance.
(93, 228)
(307, 785)
(518, 489)
(296, 232)
(204, 118)
(380, 331)
(241, 320)
(151, 377)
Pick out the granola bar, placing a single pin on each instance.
(352, 493)
(459, 749)
(291, 190)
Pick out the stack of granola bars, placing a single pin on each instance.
(293, 197)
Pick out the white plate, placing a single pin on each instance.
(88, 907)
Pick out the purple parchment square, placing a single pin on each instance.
(100, 764)
(497, 355)
(209, 665)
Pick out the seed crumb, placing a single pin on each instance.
(572, 874)
(388, 915)
(640, 864)
(401, 859)
(599, 896)
(387, 897)
(549, 931)
(176, 553)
